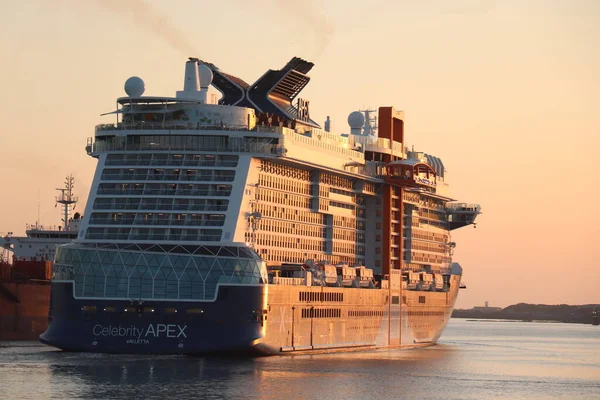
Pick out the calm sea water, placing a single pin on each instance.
(474, 360)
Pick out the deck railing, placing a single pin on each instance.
(244, 147)
(169, 126)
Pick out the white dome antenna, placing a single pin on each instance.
(356, 120)
(135, 86)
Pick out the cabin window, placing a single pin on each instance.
(321, 313)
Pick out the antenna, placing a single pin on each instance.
(38, 218)
(370, 127)
(66, 199)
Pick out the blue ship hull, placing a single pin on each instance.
(231, 323)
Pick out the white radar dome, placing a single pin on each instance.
(206, 75)
(356, 120)
(135, 86)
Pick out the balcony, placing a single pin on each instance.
(166, 142)
(181, 125)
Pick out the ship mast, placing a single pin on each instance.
(67, 199)
(370, 127)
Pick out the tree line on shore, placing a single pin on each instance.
(582, 314)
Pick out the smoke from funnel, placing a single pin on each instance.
(151, 20)
(309, 13)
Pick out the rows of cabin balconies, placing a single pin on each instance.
(172, 160)
(155, 234)
(431, 215)
(160, 174)
(166, 219)
(162, 143)
(423, 201)
(164, 204)
(426, 247)
(150, 189)
(169, 125)
(425, 258)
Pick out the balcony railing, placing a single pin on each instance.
(164, 192)
(162, 207)
(169, 126)
(155, 222)
(235, 147)
(465, 207)
(171, 163)
(154, 237)
(166, 177)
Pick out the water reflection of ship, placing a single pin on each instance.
(113, 376)
(26, 270)
(117, 377)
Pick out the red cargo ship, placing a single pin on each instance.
(24, 299)
(26, 270)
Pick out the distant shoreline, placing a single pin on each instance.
(510, 320)
(540, 313)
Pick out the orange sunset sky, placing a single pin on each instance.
(507, 93)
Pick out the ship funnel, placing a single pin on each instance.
(191, 82)
(192, 77)
(327, 124)
(206, 77)
(198, 78)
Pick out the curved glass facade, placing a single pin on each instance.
(175, 273)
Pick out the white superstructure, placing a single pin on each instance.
(186, 171)
(40, 241)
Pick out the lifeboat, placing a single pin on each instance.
(426, 280)
(439, 281)
(346, 275)
(364, 276)
(330, 275)
(413, 280)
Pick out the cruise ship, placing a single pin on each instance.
(225, 219)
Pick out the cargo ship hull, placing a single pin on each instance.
(26, 270)
(24, 299)
(261, 319)
(23, 310)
